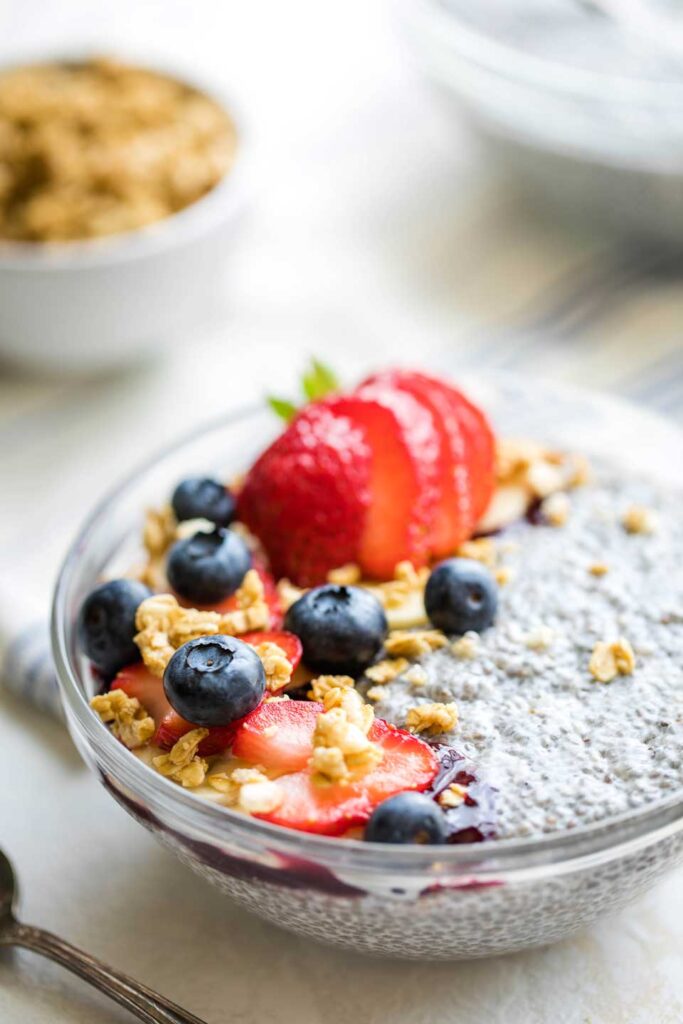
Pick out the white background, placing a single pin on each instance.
(376, 234)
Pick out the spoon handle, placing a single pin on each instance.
(147, 1005)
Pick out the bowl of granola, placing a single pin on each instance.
(445, 742)
(120, 186)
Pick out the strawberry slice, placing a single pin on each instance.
(482, 447)
(288, 642)
(310, 807)
(408, 764)
(172, 727)
(454, 516)
(271, 595)
(306, 497)
(404, 477)
(278, 735)
(137, 681)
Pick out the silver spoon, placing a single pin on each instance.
(140, 1000)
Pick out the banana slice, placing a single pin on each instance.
(410, 612)
(509, 503)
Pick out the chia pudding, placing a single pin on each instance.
(560, 747)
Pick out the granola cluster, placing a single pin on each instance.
(182, 763)
(342, 750)
(610, 660)
(640, 519)
(129, 721)
(432, 719)
(247, 789)
(414, 643)
(99, 147)
(528, 473)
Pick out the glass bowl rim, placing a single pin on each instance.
(553, 852)
(503, 60)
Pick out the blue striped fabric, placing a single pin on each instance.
(27, 669)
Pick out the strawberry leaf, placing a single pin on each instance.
(283, 408)
(319, 381)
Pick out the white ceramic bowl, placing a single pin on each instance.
(84, 306)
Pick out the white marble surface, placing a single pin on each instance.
(372, 237)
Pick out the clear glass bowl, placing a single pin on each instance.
(584, 114)
(413, 902)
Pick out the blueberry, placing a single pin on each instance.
(214, 680)
(342, 629)
(208, 567)
(407, 818)
(461, 594)
(106, 624)
(200, 497)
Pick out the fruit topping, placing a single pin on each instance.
(306, 497)
(396, 471)
(404, 484)
(461, 595)
(308, 806)
(172, 727)
(214, 680)
(278, 735)
(454, 519)
(332, 808)
(207, 567)
(203, 498)
(106, 624)
(407, 818)
(137, 681)
(342, 629)
(288, 643)
(481, 445)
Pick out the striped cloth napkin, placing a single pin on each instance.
(595, 326)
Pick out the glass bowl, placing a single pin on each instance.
(567, 103)
(413, 902)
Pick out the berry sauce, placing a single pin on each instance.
(474, 820)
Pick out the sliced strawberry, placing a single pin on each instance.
(306, 497)
(482, 446)
(408, 763)
(288, 642)
(137, 681)
(278, 735)
(172, 727)
(308, 806)
(271, 595)
(454, 519)
(404, 477)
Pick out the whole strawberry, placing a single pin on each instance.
(307, 496)
(397, 470)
